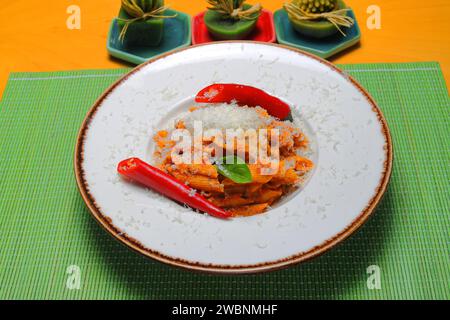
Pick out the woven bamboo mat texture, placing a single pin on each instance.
(49, 241)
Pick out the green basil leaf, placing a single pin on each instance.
(235, 169)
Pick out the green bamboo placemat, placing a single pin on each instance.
(45, 228)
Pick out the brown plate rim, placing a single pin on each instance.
(135, 245)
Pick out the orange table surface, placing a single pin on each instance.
(34, 35)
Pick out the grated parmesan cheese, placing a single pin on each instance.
(225, 116)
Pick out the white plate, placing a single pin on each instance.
(353, 155)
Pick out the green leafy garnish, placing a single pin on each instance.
(235, 169)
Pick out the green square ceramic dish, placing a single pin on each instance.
(323, 48)
(176, 34)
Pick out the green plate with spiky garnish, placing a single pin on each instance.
(231, 19)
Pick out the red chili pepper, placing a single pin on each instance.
(245, 95)
(141, 172)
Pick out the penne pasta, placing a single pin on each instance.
(233, 188)
(207, 170)
(231, 201)
(199, 182)
(250, 210)
(303, 164)
(255, 170)
(268, 196)
(253, 188)
(269, 182)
